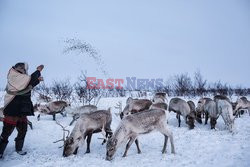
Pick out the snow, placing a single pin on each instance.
(198, 147)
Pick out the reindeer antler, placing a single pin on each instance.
(64, 130)
(118, 106)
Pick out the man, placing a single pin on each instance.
(18, 104)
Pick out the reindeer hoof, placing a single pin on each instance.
(87, 152)
(164, 152)
(139, 152)
(124, 155)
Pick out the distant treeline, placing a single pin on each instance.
(178, 85)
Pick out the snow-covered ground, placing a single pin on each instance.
(198, 147)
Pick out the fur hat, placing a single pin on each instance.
(22, 67)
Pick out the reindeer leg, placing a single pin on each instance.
(198, 118)
(165, 145)
(63, 113)
(88, 142)
(131, 140)
(38, 117)
(167, 133)
(54, 117)
(104, 140)
(137, 145)
(179, 120)
(76, 150)
(206, 118)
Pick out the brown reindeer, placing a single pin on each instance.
(51, 108)
(135, 105)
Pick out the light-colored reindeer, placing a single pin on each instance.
(215, 108)
(86, 125)
(181, 108)
(159, 101)
(137, 124)
(77, 112)
(135, 106)
(225, 109)
(242, 103)
(208, 106)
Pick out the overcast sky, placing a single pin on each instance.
(141, 38)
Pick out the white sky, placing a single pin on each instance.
(142, 38)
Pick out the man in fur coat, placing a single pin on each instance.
(18, 104)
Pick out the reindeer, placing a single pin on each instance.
(86, 125)
(200, 109)
(241, 103)
(159, 101)
(135, 105)
(159, 98)
(136, 124)
(225, 109)
(209, 107)
(77, 112)
(221, 97)
(181, 107)
(51, 108)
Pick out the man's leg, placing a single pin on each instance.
(21, 127)
(6, 132)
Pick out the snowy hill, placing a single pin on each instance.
(198, 147)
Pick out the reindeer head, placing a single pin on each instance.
(71, 145)
(159, 98)
(36, 107)
(125, 111)
(213, 122)
(190, 120)
(73, 141)
(111, 148)
(200, 105)
(234, 104)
